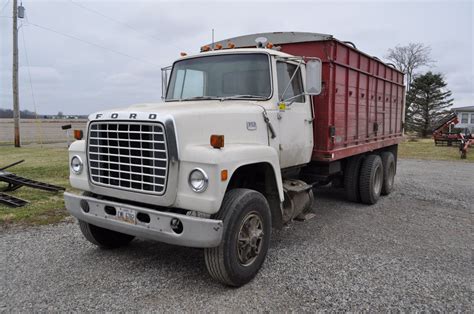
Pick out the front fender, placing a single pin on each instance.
(213, 161)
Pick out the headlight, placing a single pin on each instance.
(198, 180)
(76, 164)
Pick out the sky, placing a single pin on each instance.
(84, 56)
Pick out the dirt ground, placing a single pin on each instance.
(412, 251)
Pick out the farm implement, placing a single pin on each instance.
(15, 182)
(442, 132)
(466, 142)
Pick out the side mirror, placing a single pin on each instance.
(313, 77)
(164, 80)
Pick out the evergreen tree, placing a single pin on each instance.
(429, 99)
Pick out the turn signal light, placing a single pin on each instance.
(217, 141)
(224, 175)
(78, 134)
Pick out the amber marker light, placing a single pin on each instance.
(230, 45)
(205, 48)
(217, 141)
(224, 174)
(269, 46)
(78, 135)
(183, 54)
(218, 46)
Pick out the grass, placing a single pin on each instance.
(48, 165)
(426, 149)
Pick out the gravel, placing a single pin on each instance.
(410, 251)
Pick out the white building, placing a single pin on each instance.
(466, 117)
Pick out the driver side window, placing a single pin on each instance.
(284, 73)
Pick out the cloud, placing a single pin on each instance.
(108, 64)
(41, 75)
(122, 79)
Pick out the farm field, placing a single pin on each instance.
(38, 131)
(49, 163)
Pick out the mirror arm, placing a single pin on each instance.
(293, 97)
(164, 80)
(296, 96)
(291, 79)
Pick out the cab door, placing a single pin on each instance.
(295, 117)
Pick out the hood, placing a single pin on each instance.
(195, 121)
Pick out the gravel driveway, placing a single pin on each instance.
(411, 251)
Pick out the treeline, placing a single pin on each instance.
(24, 114)
(427, 96)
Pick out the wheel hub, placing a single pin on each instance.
(250, 239)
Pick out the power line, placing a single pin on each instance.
(92, 44)
(40, 133)
(116, 21)
(28, 65)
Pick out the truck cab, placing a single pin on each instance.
(203, 168)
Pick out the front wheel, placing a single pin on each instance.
(104, 238)
(247, 231)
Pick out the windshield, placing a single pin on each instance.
(221, 77)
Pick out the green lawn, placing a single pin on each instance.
(50, 165)
(426, 149)
(44, 164)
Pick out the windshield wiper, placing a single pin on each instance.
(202, 98)
(242, 97)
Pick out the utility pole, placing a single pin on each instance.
(16, 100)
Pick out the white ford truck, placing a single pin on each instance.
(214, 166)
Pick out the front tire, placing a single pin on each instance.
(247, 232)
(104, 238)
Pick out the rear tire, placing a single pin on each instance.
(371, 179)
(104, 238)
(389, 170)
(351, 178)
(247, 231)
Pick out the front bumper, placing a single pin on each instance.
(197, 232)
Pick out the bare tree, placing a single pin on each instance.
(409, 58)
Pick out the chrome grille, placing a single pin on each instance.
(128, 155)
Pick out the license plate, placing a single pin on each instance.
(126, 215)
